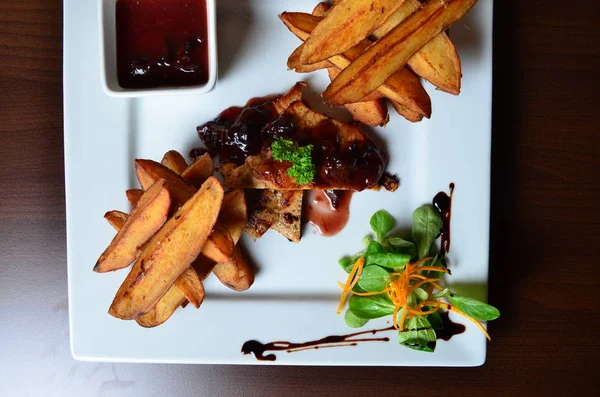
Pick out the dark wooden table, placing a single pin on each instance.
(545, 226)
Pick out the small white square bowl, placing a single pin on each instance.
(108, 56)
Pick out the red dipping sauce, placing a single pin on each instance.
(161, 43)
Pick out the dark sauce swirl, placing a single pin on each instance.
(258, 349)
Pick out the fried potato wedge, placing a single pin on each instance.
(169, 253)
(374, 109)
(407, 113)
(199, 171)
(189, 282)
(374, 112)
(116, 219)
(191, 286)
(392, 52)
(437, 62)
(321, 9)
(294, 63)
(133, 196)
(234, 213)
(403, 86)
(165, 307)
(219, 245)
(174, 161)
(203, 266)
(237, 273)
(145, 219)
(346, 24)
(149, 171)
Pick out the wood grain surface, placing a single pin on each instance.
(545, 221)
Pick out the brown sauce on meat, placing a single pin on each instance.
(238, 133)
(328, 211)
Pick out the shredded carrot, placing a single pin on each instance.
(351, 282)
(434, 268)
(452, 308)
(369, 293)
(420, 283)
(398, 288)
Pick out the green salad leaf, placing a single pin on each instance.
(400, 246)
(389, 260)
(353, 321)
(373, 279)
(382, 223)
(474, 308)
(418, 334)
(347, 262)
(426, 227)
(370, 307)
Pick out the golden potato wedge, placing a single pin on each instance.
(237, 273)
(321, 9)
(391, 52)
(374, 112)
(165, 307)
(149, 171)
(199, 171)
(191, 286)
(406, 9)
(294, 63)
(407, 113)
(346, 24)
(189, 282)
(203, 266)
(174, 161)
(169, 253)
(234, 213)
(437, 62)
(219, 245)
(145, 219)
(133, 196)
(403, 86)
(116, 219)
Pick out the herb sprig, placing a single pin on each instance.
(302, 169)
(401, 277)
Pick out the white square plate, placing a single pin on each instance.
(295, 293)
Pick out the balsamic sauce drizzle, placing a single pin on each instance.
(443, 203)
(258, 349)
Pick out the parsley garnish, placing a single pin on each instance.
(302, 169)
